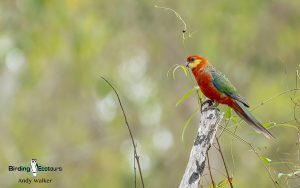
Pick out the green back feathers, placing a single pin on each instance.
(225, 86)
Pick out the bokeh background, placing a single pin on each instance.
(54, 107)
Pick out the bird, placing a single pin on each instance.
(216, 86)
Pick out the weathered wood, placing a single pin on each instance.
(209, 122)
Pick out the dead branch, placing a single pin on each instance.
(210, 119)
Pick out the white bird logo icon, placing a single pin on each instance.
(34, 167)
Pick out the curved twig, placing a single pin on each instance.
(136, 156)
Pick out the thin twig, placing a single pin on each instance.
(295, 116)
(210, 174)
(217, 170)
(179, 17)
(297, 76)
(253, 149)
(137, 158)
(134, 169)
(226, 124)
(270, 175)
(232, 157)
(295, 106)
(291, 98)
(273, 97)
(220, 150)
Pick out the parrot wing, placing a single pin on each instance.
(221, 82)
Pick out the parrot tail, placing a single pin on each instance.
(243, 112)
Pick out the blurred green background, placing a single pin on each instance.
(55, 108)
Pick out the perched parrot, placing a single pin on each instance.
(218, 88)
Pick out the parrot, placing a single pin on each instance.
(216, 86)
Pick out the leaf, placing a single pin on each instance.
(228, 113)
(184, 70)
(177, 67)
(268, 124)
(188, 122)
(186, 95)
(199, 92)
(265, 159)
(235, 119)
(171, 69)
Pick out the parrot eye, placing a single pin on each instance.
(192, 59)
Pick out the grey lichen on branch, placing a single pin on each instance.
(210, 119)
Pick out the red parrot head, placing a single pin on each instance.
(194, 61)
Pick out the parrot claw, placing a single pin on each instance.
(208, 101)
(209, 105)
(210, 108)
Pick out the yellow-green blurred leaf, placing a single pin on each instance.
(186, 95)
(175, 69)
(268, 124)
(235, 119)
(228, 113)
(265, 159)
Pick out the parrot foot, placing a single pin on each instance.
(208, 102)
(210, 108)
(209, 105)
